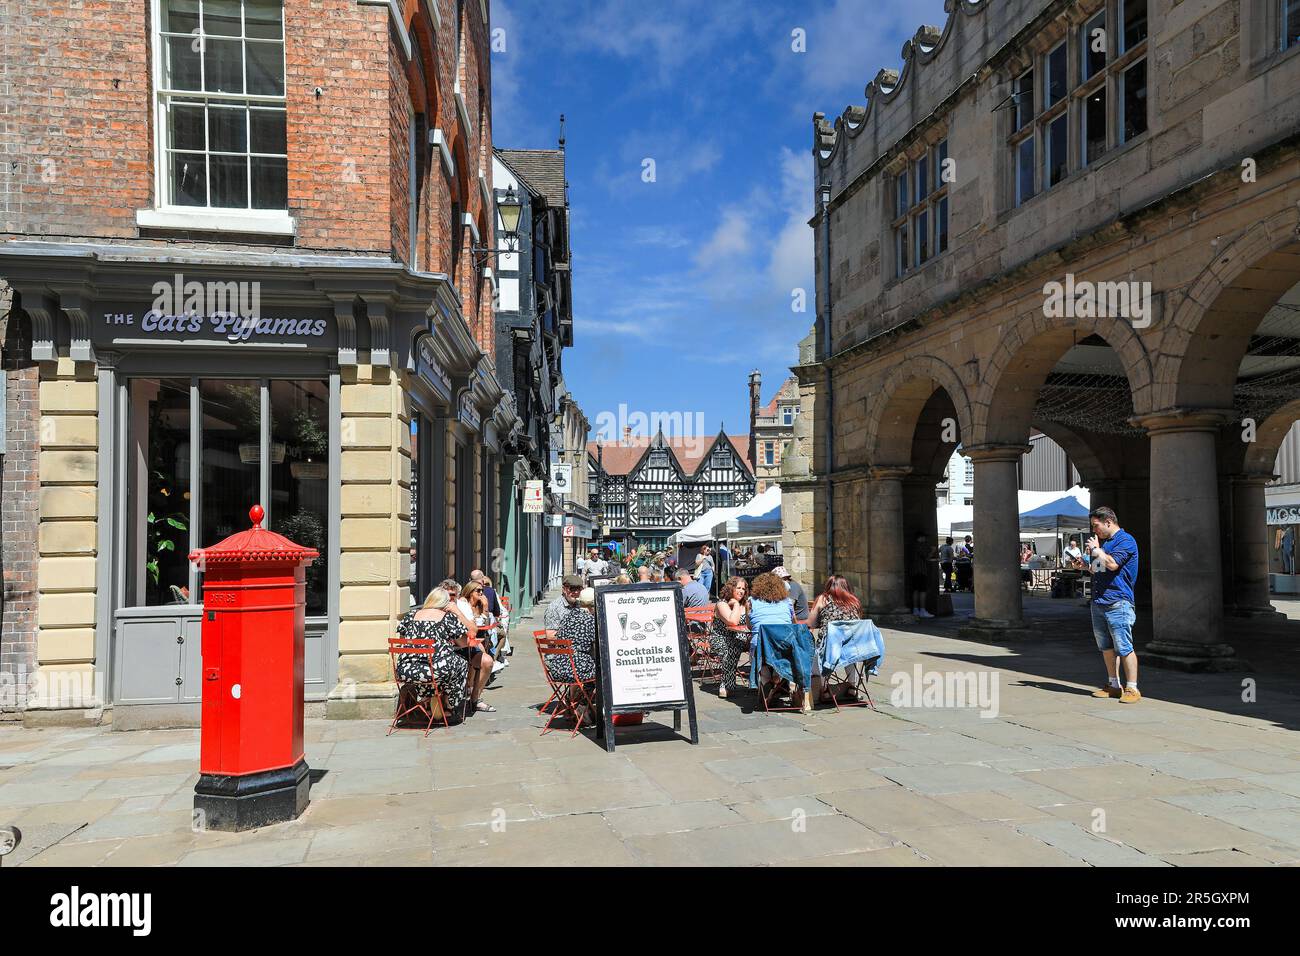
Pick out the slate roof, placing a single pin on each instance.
(619, 458)
(541, 169)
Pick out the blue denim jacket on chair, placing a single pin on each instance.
(852, 642)
(786, 648)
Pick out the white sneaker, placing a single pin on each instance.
(922, 612)
(498, 666)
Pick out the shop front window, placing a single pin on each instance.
(299, 507)
(162, 516)
(230, 451)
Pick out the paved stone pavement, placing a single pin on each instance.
(1192, 776)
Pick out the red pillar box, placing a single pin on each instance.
(252, 771)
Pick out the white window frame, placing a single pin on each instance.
(787, 415)
(164, 214)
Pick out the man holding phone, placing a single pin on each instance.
(1114, 557)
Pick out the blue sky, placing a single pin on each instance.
(684, 284)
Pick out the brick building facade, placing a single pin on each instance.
(328, 161)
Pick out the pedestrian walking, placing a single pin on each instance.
(946, 555)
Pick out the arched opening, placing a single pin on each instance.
(1080, 383)
(912, 436)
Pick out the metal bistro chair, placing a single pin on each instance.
(709, 664)
(861, 662)
(565, 695)
(425, 697)
(795, 633)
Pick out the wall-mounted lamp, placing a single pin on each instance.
(509, 208)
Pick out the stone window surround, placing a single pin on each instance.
(1108, 77)
(926, 148)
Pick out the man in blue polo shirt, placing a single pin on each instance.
(1114, 557)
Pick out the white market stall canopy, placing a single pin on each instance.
(1040, 511)
(760, 518)
(701, 529)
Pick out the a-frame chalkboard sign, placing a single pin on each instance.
(644, 655)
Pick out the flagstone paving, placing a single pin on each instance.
(1202, 772)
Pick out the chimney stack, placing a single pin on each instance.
(627, 435)
(755, 394)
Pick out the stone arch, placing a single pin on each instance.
(900, 400)
(1262, 454)
(1025, 355)
(1220, 310)
(1092, 463)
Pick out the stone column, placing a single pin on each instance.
(920, 517)
(886, 546)
(1132, 503)
(1249, 595)
(374, 536)
(997, 536)
(66, 687)
(1186, 572)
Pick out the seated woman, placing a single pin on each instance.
(480, 661)
(731, 610)
(577, 625)
(770, 603)
(837, 602)
(435, 621)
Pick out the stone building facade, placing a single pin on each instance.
(772, 426)
(247, 239)
(1079, 216)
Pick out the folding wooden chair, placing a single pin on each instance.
(425, 697)
(565, 695)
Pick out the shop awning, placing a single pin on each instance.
(761, 517)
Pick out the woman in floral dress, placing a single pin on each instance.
(731, 610)
(837, 602)
(436, 620)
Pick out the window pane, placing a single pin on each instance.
(300, 477)
(180, 16)
(1057, 166)
(221, 17)
(262, 18)
(1056, 80)
(1025, 170)
(183, 68)
(1095, 44)
(1094, 126)
(922, 178)
(266, 127)
(229, 183)
(223, 65)
(227, 132)
(1290, 23)
(232, 453)
(161, 413)
(901, 202)
(922, 232)
(901, 249)
(270, 183)
(265, 69)
(941, 226)
(1134, 99)
(941, 159)
(1135, 22)
(1024, 98)
(189, 180)
(186, 125)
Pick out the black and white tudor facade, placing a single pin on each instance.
(644, 490)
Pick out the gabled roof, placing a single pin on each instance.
(541, 169)
(789, 391)
(621, 458)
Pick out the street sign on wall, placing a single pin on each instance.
(533, 502)
(561, 478)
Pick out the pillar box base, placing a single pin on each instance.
(252, 800)
(1193, 658)
(985, 630)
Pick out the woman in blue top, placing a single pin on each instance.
(769, 603)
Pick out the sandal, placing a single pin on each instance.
(483, 707)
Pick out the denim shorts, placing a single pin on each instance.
(1112, 627)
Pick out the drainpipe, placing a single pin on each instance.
(824, 319)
